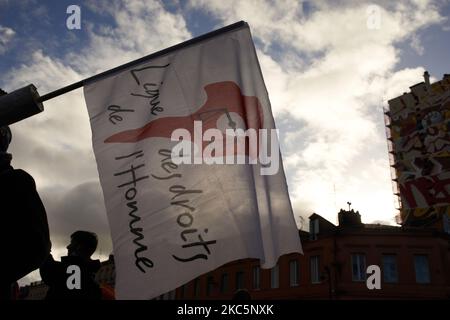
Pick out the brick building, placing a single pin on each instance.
(414, 263)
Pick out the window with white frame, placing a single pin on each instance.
(422, 268)
(182, 291)
(256, 271)
(390, 273)
(446, 221)
(239, 280)
(274, 277)
(313, 229)
(224, 283)
(196, 287)
(358, 267)
(209, 285)
(293, 273)
(315, 269)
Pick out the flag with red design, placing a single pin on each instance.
(189, 163)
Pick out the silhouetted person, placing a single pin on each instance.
(242, 294)
(62, 280)
(24, 236)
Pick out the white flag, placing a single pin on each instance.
(180, 202)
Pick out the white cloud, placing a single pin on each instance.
(337, 96)
(417, 46)
(6, 34)
(142, 27)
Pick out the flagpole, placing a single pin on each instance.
(120, 68)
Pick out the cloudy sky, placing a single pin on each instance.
(329, 66)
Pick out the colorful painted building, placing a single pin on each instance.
(418, 126)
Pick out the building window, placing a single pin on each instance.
(446, 222)
(256, 277)
(239, 280)
(422, 269)
(196, 287)
(358, 267)
(224, 283)
(313, 229)
(182, 291)
(274, 277)
(209, 285)
(315, 269)
(171, 295)
(293, 273)
(390, 274)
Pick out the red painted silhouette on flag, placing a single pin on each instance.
(222, 98)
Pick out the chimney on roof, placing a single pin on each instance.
(426, 76)
(349, 218)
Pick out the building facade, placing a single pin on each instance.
(418, 126)
(414, 264)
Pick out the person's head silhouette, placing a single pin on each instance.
(83, 244)
(5, 138)
(242, 294)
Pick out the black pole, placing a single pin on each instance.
(61, 91)
(187, 43)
